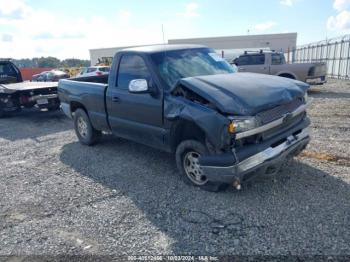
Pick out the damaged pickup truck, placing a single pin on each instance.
(16, 94)
(224, 127)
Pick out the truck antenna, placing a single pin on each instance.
(163, 34)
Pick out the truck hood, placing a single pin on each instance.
(245, 94)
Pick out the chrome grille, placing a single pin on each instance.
(279, 111)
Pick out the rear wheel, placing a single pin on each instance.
(86, 133)
(188, 153)
(7, 114)
(53, 107)
(287, 76)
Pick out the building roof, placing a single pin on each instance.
(161, 48)
(233, 38)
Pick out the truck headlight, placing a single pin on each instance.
(241, 124)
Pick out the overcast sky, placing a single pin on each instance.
(66, 28)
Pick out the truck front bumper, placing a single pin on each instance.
(319, 80)
(268, 161)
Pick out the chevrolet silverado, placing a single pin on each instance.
(224, 127)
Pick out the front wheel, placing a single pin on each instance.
(86, 133)
(187, 155)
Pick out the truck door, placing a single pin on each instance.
(255, 63)
(135, 116)
(277, 63)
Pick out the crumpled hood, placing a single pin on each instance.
(245, 93)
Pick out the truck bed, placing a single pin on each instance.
(89, 94)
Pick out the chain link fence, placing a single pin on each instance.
(334, 52)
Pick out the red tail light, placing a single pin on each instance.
(24, 100)
(98, 73)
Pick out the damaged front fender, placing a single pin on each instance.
(211, 122)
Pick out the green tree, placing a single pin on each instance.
(73, 62)
(50, 61)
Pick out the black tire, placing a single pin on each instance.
(7, 114)
(191, 148)
(287, 76)
(85, 132)
(53, 107)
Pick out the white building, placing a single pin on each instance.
(229, 46)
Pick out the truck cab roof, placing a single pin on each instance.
(150, 49)
(261, 51)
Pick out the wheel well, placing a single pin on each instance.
(186, 130)
(287, 75)
(75, 105)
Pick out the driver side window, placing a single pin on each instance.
(131, 67)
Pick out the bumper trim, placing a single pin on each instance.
(271, 125)
(270, 152)
(270, 157)
(38, 97)
(316, 80)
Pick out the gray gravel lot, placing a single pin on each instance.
(122, 198)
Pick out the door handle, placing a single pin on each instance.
(115, 99)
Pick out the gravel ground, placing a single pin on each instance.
(120, 198)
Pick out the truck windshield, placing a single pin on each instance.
(177, 64)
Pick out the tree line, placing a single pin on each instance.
(51, 62)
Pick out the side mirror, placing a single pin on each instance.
(138, 86)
